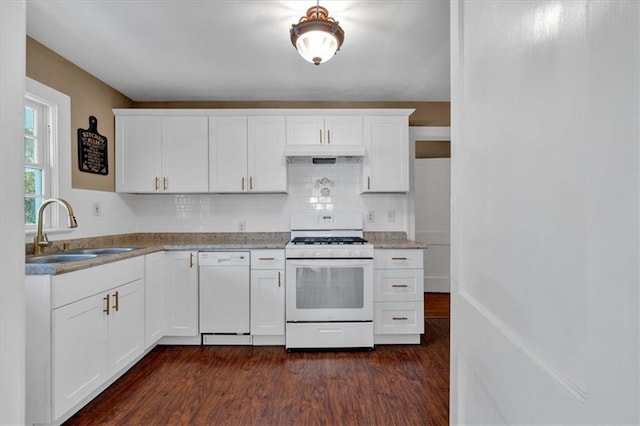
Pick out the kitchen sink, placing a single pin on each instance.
(77, 254)
(101, 250)
(60, 257)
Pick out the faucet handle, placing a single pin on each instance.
(44, 241)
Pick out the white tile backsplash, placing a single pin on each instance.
(327, 187)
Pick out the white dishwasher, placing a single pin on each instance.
(224, 297)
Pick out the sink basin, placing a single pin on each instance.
(60, 257)
(102, 250)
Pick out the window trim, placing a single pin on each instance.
(47, 150)
(59, 144)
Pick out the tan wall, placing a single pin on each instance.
(426, 113)
(89, 96)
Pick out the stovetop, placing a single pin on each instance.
(328, 240)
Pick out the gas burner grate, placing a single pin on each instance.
(328, 240)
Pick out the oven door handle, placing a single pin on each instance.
(330, 330)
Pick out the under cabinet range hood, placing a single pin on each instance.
(324, 153)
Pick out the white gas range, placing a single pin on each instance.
(329, 283)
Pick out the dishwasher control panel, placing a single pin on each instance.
(215, 258)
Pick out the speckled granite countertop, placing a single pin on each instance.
(151, 242)
(392, 240)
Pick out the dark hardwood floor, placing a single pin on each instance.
(244, 385)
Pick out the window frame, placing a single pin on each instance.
(58, 116)
(43, 160)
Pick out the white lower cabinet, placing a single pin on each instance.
(155, 284)
(84, 329)
(267, 297)
(80, 352)
(398, 296)
(181, 308)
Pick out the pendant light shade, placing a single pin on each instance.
(317, 36)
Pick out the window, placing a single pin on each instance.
(37, 170)
(40, 179)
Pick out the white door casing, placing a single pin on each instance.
(545, 217)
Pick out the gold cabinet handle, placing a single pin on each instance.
(398, 258)
(278, 278)
(320, 135)
(251, 183)
(266, 258)
(106, 309)
(243, 183)
(368, 182)
(165, 183)
(329, 137)
(190, 260)
(116, 304)
(399, 285)
(156, 183)
(399, 318)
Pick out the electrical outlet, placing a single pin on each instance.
(391, 216)
(371, 216)
(96, 209)
(242, 226)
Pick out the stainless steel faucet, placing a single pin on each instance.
(40, 240)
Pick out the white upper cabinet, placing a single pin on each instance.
(161, 154)
(228, 154)
(386, 165)
(246, 154)
(184, 154)
(246, 150)
(266, 164)
(324, 130)
(138, 153)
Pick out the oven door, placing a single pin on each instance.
(320, 290)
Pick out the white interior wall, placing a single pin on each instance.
(545, 223)
(432, 185)
(12, 302)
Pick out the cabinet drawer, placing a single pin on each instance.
(336, 335)
(398, 318)
(72, 286)
(398, 285)
(397, 259)
(267, 259)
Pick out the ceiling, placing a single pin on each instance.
(240, 50)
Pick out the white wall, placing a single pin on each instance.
(12, 305)
(545, 193)
(270, 212)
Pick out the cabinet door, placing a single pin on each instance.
(228, 154)
(155, 277)
(267, 166)
(185, 147)
(386, 166)
(182, 294)
(267, 302)
(126, 325)
(80, 351)
(343, 130)
(305, 130)
(138, 154)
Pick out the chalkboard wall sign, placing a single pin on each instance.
(92, 149)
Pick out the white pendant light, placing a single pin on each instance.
(317, 36)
